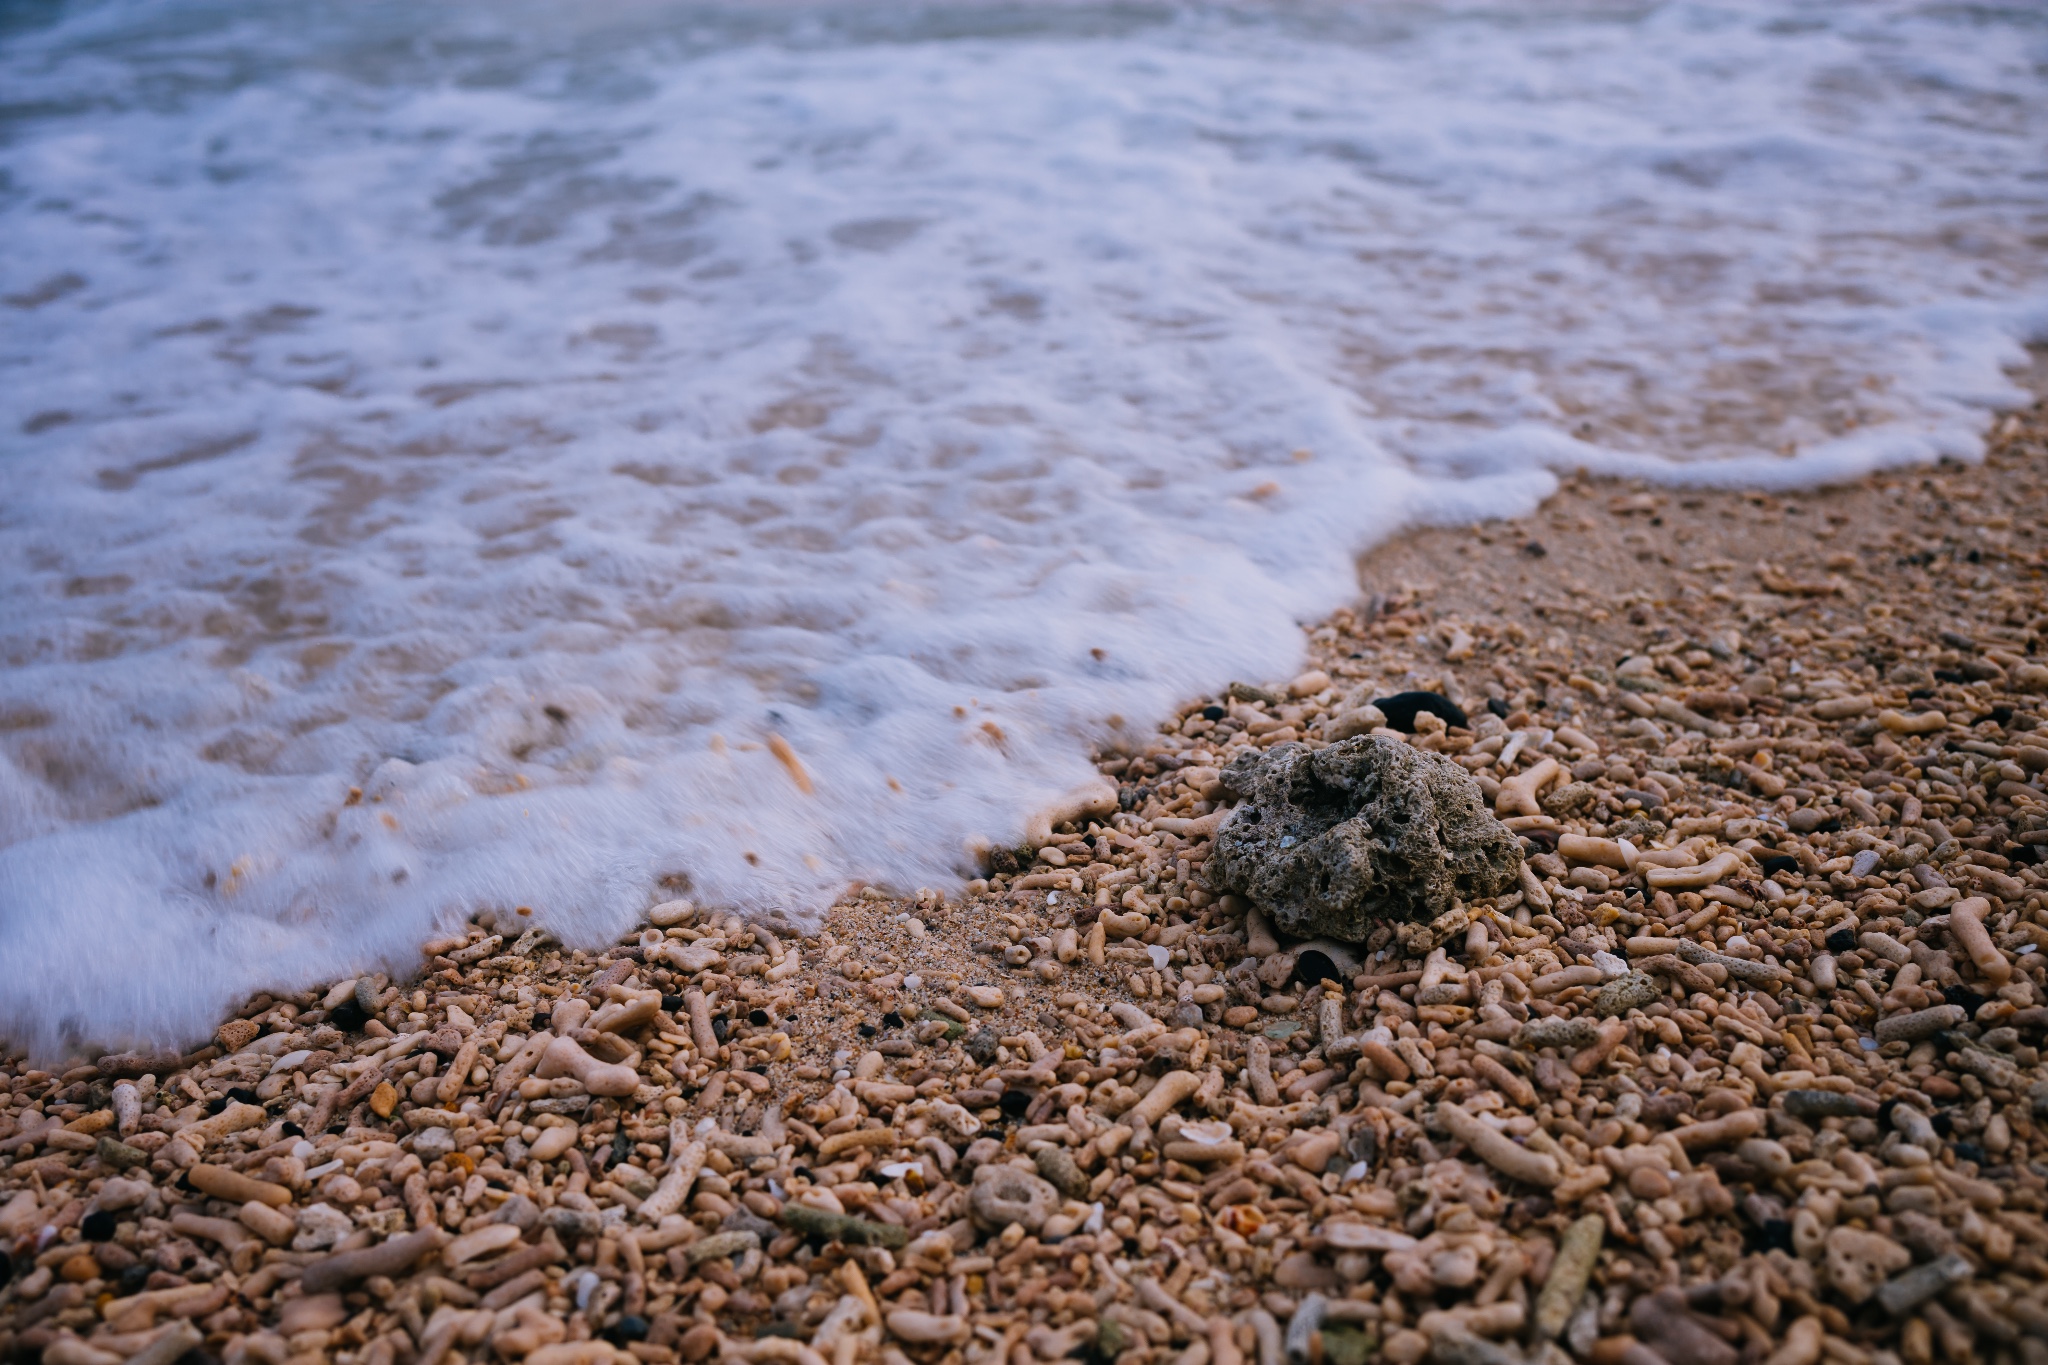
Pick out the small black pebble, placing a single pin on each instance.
(892, 1020)
(243, 1095)
(348, 1016)
(1014, 1102)
(1964, 996)
(1778, 862)
(1920, 694)
(1497, 708)
(866, 1030)
(217, 1104)
(720, 1027)
(1314, 966)
(802, 1173)
(293, 1130)
(1534, 549)
(1402, 708)
(630, 1327)
(97, 1226)
(1842, 941)
(672, 1004)
(134, 1277)
(1213, 713)
(1942, 1124)
(1969, 1151)
(757, 1017)
(622, 1147)
(1951, 675)
(1777, 1234)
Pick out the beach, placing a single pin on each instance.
(1743, 1066)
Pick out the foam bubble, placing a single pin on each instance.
(450, 449)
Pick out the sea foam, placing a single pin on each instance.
(448, 447)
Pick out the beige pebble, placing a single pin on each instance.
(271, 1224)
(1692, 878)
(1123, 926)
(670, 914)
(1165, 1095)
(1405, 1346)
(1719, 1132)
(1801, 1344)
(1497, 1149)
(566, 1057)
(553, 1143)
(1518, 793)
(1581, 848)
(1308, 684)
(482, 1242)
(927, 1329)
(1966, 922)
(686, 1162)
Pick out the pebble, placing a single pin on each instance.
(1905, 1292)
(1630, 991)
(1664, 1323)
(1571, 1268)
(1003, 1195)
(1915, 1025)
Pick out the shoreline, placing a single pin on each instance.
(1815, 1138)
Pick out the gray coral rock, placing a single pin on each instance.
(1333, 841)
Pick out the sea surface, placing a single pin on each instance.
(447, 449)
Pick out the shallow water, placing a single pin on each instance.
(523, 417)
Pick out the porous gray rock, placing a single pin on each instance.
(1002, 1195)
(1567, 1034)
(1333, 841)
(1634, 991)
(1060, 1171)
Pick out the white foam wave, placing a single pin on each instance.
(522, 418)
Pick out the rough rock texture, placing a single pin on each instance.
(1332, 841)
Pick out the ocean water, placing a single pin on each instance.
(445, 450)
